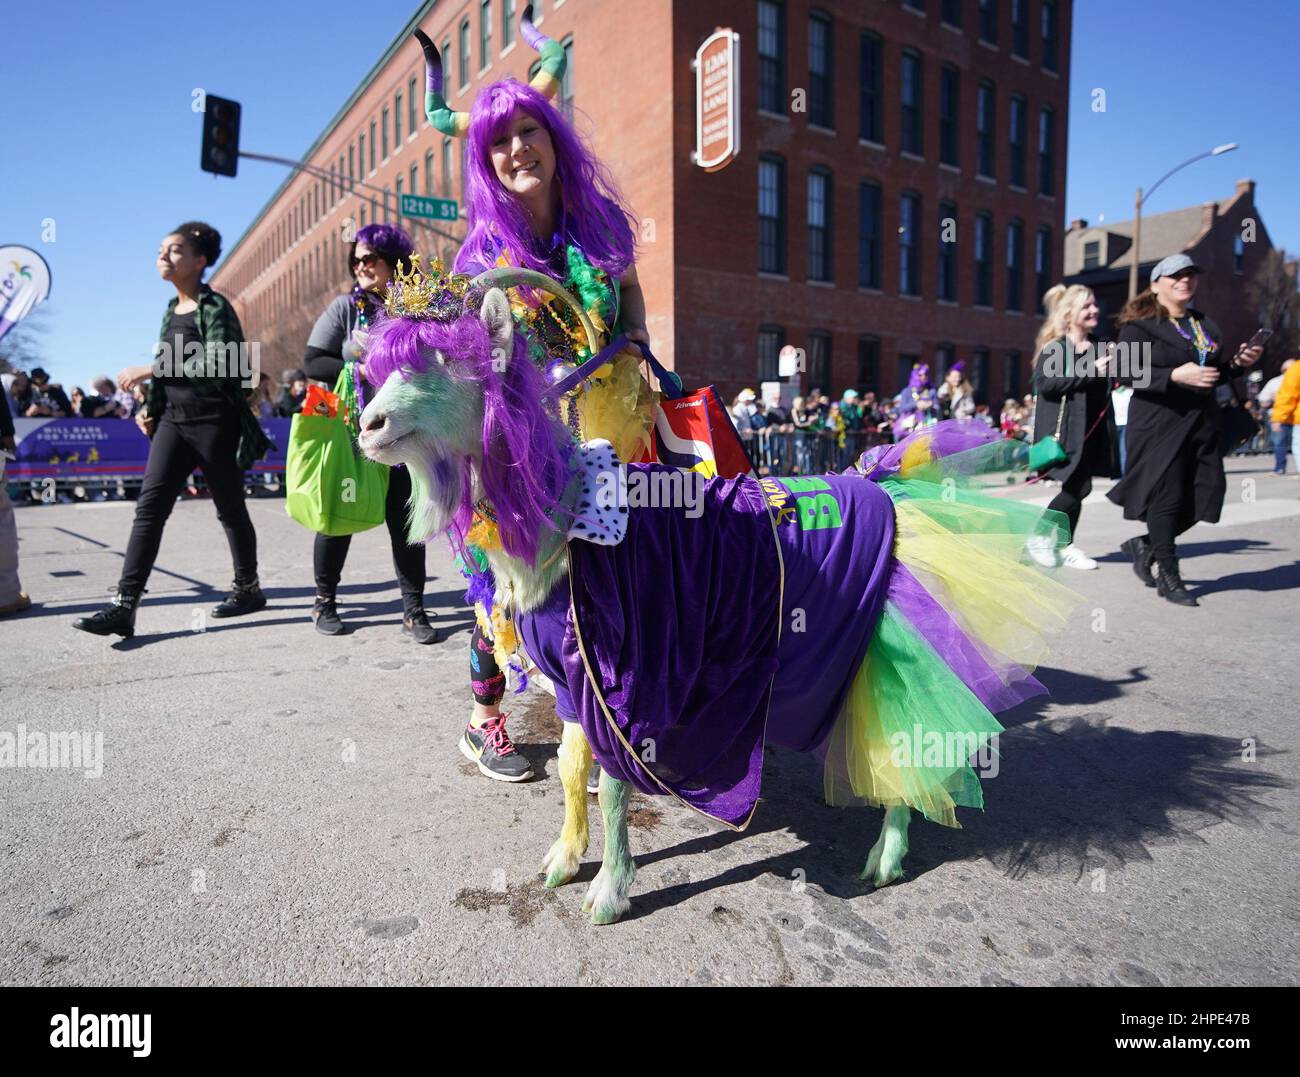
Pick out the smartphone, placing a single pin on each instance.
(1259, 339)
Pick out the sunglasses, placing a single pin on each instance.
(367, 260)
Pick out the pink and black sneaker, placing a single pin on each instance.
(489, 746)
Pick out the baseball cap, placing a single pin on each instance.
(1175, 263)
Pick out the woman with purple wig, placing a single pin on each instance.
(337, 340)
(538, 198)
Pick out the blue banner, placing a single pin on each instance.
(92, 448)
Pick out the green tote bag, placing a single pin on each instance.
(331, 488)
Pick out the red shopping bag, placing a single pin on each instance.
(693, 431)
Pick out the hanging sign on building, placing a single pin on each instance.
(717, 100)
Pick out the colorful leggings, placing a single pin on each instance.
(485, 676)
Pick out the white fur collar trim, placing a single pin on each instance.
(600, 513)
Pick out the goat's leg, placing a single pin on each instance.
(561, 863)
(885, 861)
(606, 898)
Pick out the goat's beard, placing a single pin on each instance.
(437, 487)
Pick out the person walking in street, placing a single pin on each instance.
(1073, 387)
(1175, 474)
(193, 420)
(336, 342)
(1286, 412)
(13, 599)
(1282, 431)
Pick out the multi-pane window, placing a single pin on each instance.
(1042, 264)
(948, 251)
(983, 260)
(1020, 28)
(1092, 254)
(384, 129)
(820, 111)
(1015, 266)
(906, 361)
(446, 167)
(1050, 35)
(989, 21)
(869, 68)
(484, 33)
(771, 214)
(868, 236)
(819, 360)
(984, 129)
(944, 357)
(910, 99)
(949, 111)
(915, 5)
(507, 22)
(464, 53)
(909, 242)
(1011, 376)
(1238, 253)
(411, 121)
(1017, 141)
(869, 364)
(566, 83)
(771, 339)
(1047, 151)
(979, 375)
(415, 178)
(771, 56)
(397, 120)
(428, 173)
(446, 61)
(952, 12)
(352, 163)
(819, 225)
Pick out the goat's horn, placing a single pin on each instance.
(551, 75)
(435, 105)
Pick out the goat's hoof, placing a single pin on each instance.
(882, 868)
(606, 899)
(560, 864)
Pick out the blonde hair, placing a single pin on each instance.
(1059, 302)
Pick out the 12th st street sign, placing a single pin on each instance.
(433, 209)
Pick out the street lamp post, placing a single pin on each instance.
(1227, 147)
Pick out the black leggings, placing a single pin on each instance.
(331, 551)
(485, 677)
(1070, 498)
(1166, 516)
(176, 450)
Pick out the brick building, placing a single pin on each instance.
(897, 194)
(1226, 239)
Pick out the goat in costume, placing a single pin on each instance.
(538, 199)
(884, 617)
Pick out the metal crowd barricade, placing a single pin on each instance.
(780, 451)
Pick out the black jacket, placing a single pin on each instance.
(1165, 418)
(1086, 399)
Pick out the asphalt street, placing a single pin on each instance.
(278, 807)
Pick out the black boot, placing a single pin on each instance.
(326, 616)
(1139, 551)
(243, 598)
(1169, 584)
(117, 618)
(416, 626)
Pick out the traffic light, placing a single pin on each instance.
(220, 154)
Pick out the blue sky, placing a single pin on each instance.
(100, 135)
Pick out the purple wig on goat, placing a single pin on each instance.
(525, 453)
(591, 210)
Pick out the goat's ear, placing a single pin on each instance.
(496, 317)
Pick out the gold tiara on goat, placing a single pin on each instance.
(437, 295)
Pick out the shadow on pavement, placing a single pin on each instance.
(1072, 794)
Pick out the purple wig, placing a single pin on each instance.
(526, 454)
(386, 240)
(591, 208)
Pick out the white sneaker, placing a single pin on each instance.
(1073, 557)
(1042, 550)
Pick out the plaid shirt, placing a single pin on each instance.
(218, 325)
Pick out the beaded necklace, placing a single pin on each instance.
(1197, 338)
